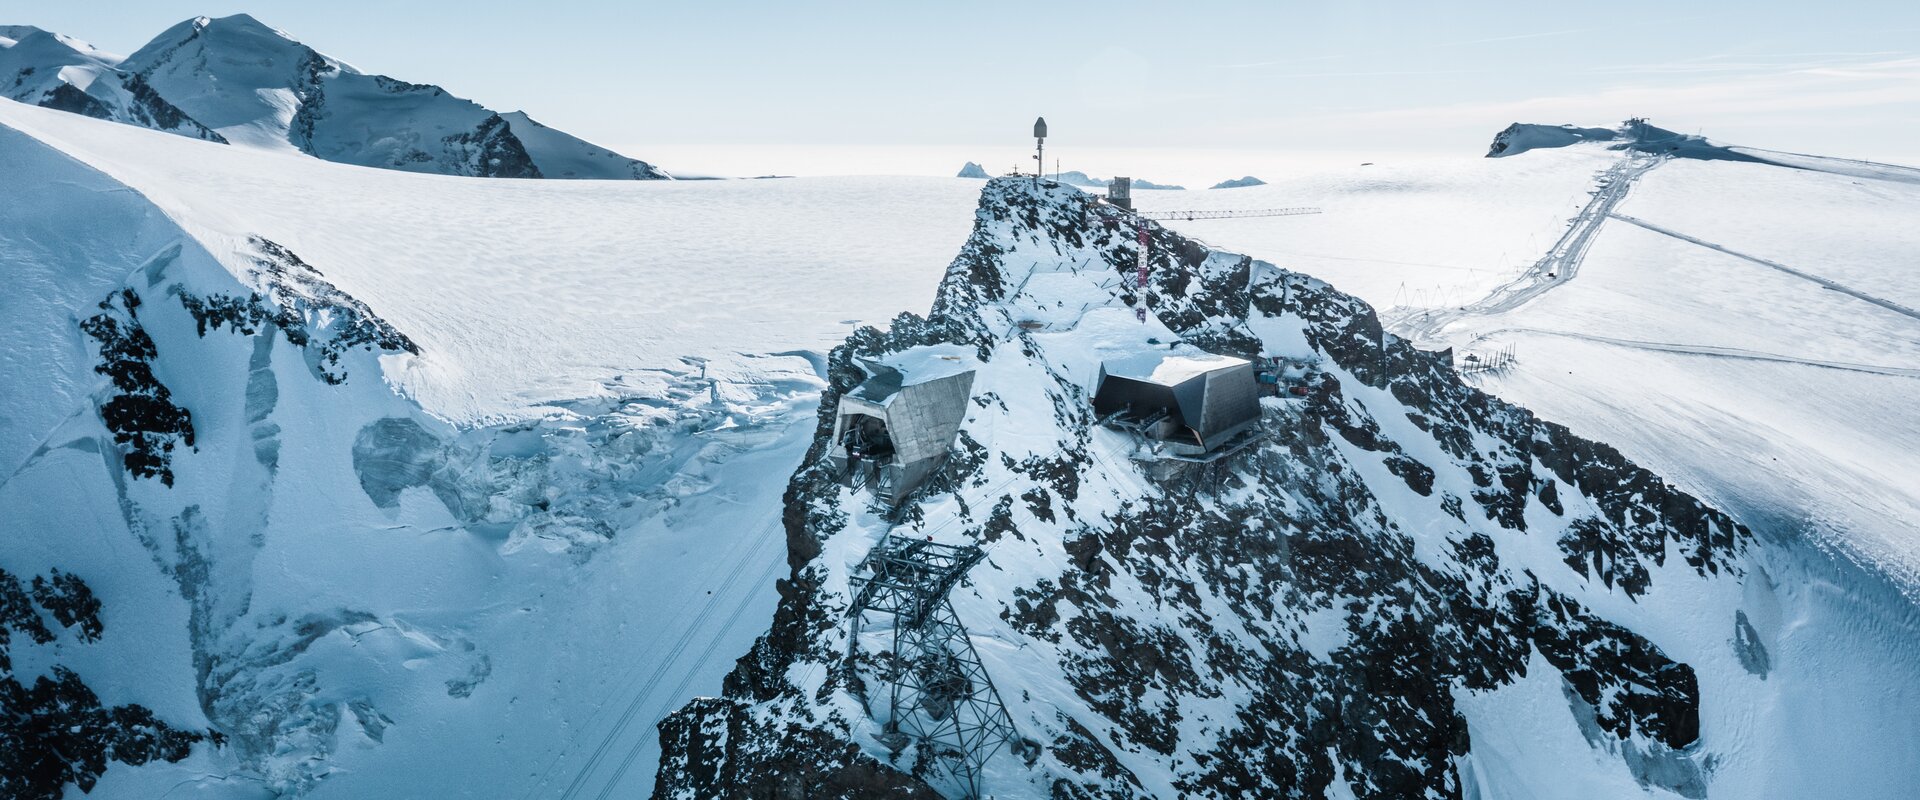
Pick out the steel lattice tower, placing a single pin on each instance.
(940, 698)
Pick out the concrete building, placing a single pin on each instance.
(1189, 404)
(1120, 192)
(897, 426)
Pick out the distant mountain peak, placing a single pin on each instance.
(60, 72)
(1635, 134)
(1238, 183)
(235, 78)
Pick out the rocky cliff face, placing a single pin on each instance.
(1340, 608)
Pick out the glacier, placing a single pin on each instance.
(473, 482)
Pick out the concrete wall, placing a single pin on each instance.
(922, 419)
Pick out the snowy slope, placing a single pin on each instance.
(525, 295)
(1406, 232)
(482, 569)
(258, 86)
(60, 72)
(399, 605)
(1719, 347)
(1750, 331)
(1408, 589)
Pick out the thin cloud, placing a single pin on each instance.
(1752, 62)
(1378, 73)
(1282, 62)
(1794, 93)
(1514, 38)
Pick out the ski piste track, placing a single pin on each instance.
(1559, 265)
(1563, 262)
(1710, 351)
(1838, 287)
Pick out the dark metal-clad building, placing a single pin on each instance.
(1193, 402)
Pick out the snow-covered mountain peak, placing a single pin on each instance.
(24, 46)
(353, 596)
(58, 71)
(234, 74)
(1304, 614)
(27, 38)
(240, 80)
(235, 35)
(1635, 135)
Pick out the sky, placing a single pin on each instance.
(1197, 90)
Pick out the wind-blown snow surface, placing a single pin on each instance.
(1413, 232)
(436, 489)
(1770, 393)
(1409, 589)
(525, 294)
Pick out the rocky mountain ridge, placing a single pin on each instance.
(1305, 619)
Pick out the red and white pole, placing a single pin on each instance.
(1140, 276)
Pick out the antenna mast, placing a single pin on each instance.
(1040, 148)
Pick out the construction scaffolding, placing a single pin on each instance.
(940, 698)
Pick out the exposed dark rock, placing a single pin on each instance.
(1748, 647)
(70, 98)
(153, 111)
(56, 731)
(140, 413)
(293, 298)
(494, 152)
(70, 602)
(710, 741)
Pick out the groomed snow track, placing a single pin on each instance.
(1835, 286)
(1555, 268)
(1710, 351)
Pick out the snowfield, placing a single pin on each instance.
(563, 526)
(1124, 620)
(1768, 393)
(1764, 392)
(489, 567)
(522, 294)
(1424, 232)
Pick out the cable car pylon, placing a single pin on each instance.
(940, 699)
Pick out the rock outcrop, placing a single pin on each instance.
(1299, 619)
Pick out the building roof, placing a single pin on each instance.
(912, 367)
(1166, 367)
